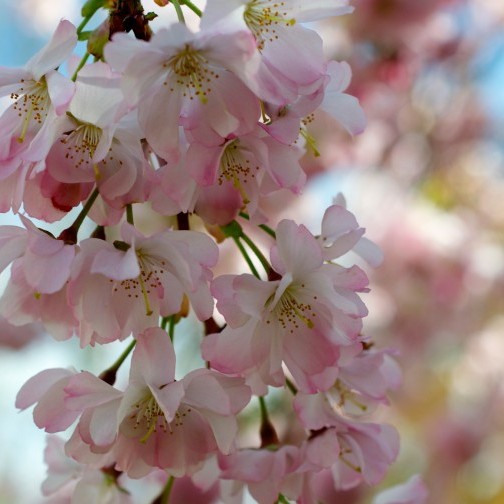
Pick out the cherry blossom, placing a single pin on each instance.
(174, 142)
(139, 279)
(279, 320)
(186, 72)
(40, 93)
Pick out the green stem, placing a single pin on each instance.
(165, 497)
(247, 257)
(85, 210)
(264, 409)
(83, 23)
(265, 228)
(171, 327)
(178, 9)
(257, 252)
(129, 214)
(267, 431)
(193, 7)
(164, 322)
(117, 364)
(109, 375)
(82, 62)
(282, 500)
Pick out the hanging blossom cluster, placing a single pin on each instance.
(200, 126)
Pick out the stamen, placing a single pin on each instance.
(236, 168)
(261, 16)
(192, 72)
(148, 309)
(31, 102)
(289, 311)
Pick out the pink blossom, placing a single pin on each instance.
(329, 98)
(157, 421)
(48, 199)
(139, 280)
(341, 233)
(189, 75)
(45, 260)
(267, 473)
(279, 36)
(365, 452)
(248, 165)
(364, 379)
(96, 143)
(39, 92)
(302, 319)
(175, 427)
(81, 484)
(21, 305)
(47, 389)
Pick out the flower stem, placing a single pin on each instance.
(69, 235)
(171, 327)
(109, 375)
(82, 62)
(268, 433)
(129, 214)
(265, 228)
(193, 7)
(246, 257)
(83, 23)
(165, 496)
(178, 9)
(257, 252)
(85, 210)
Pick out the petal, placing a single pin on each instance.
(61, 91)
(153, 358)
(116, 264)
(38, 385)
(58, 49)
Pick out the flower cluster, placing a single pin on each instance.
(198, 127)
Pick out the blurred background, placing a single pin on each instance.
(426, 180)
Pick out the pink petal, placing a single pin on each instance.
(38, 385)
(153, 358)
(61, 91)
(116, 264)
(58, 49)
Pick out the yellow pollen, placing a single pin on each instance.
(236, 168)
(192, 71)
(148, 416)
(148, 309)
(263, 16)
(310, 141)
(31, 103)
(81, 145)
(289, 312)
(96, 171)
(346, 451)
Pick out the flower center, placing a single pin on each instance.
(31, 102)
(148, 414)
(150, 417)
(81, 145)
(263, 16)
(190, 70)
(236, 168)
(289, 312)
(149, 280)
